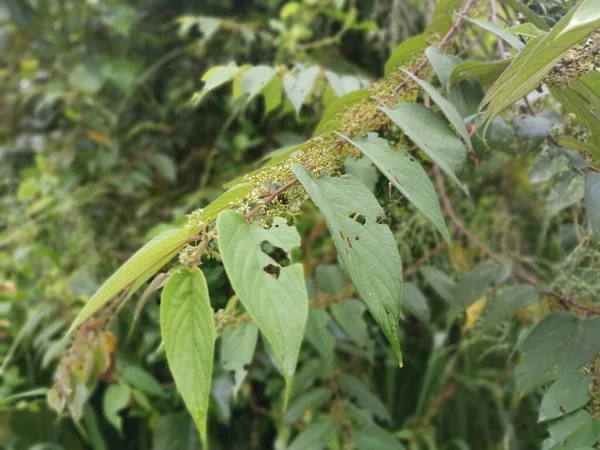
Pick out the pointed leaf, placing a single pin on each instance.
(349, 316)
(313, 399)
(254, 80)
(569, 393)
(318, 334)
(405, 172)
(274, 296)
(510, 39)
(237, 349)
(188, 333)
(487, 72)
(316, 436)
(366, 248)
(364, 397)
(373, 437)
(298, 86)
(432, 135)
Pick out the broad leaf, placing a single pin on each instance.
(254, 80)
(364, 170)
(592, 201)
(366, 248)
(441, 283)
(474, 284)
(316, 436)
(274, 296)
(405, 172)
(349, 316)
(574, 431)
(525, 29)
(527, 12)
(237, 348)
(559, 344)
(569, 393)
(141, 266)
(442, 64)
(213, 78)
(188, 333)
(298, 86)
(432, 135)
(507, 303)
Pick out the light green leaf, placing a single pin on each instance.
(560, 343)
(405, 172)
(141, 266)
(274, 296)
(298, 86)
(188, 333)
(415, 303)
(213, 78)
(498, 31)
(343, 84)
(592, 201)
(273, 93)
(446, 107)
(525, 29)
(318, 334)
(115, 399)
(373, 437)
(254, 80)
(539, 56)
(441, 283)
(313, 400)
(432, 135)
(363, 169)
(316, 436)
(487, 72)
(330, 118)
(349, 316)
(366, 248)
(573, 431)
(237, 349)
(363, 396)
(143, 380)
(567, 394)
(225, 201)
(331, 279)
(442, 64)
(405, 52)
(506, 304)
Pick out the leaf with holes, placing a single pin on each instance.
(405, 172)
(188, 333)
(432, 135)
(273, 294)
(366, 247)
(298, 86)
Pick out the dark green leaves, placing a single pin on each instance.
(188, 332)
(405, 172)
(366, 247)
(274, 296)
(432, 135)
(559, 344)
(569, 393)
(592, 201)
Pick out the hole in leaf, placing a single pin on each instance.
(272, 269)
(278, 254)
(379, 220)
(360, 219)
(351, 214)
(356, 238)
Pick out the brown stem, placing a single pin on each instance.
(269, 198)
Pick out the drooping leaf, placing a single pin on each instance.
(446, 107)
(312, 400)
(237, 348)
(273, 94)
(592, 201)
(366, 248)
(298, 86)
(274, 296)
(432, 135)
(142, 380)
(213, 78)
(415, 303)
(404, 171)
(188, 333)
(349, 316)
(559, 344)
(485, 71)
(442, 64)
(142, 265)
(115, 399)
(363, 396)
(567, 394)
(528, 12)
(343, 84)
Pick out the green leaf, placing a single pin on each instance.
(164, 165)
(506, 304)
(569, 393)
(273, 93)
(330, 118)
(364, 397)
(567, 191)
(474, 285)
(318, 334)
(366, 248)
(510, 39)
(559, 344)
(188, 333)
(143, 380)
(254, 80)
(298, 86)
(441, 283)
(527, 12)
(349, 316)
(141, 266)
(343, 84)
(432, 135)
(525, 29)
(172, 432)
(446, 107)
(237, 349)
(415, 303)
(442, 64)
(213, 78)
(225, 201)
(116, 398)
(572, 431)
(539, 56)
(312, 400)
(363, 169)
(487, 72)
(274, 296)
(405, 172)
(330, 278)
(373, 437)
(406, 51)
(592, 201)
(316, 436)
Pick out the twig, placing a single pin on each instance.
(269, 198)
(517, 273)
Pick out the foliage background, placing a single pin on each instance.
(101, 150)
